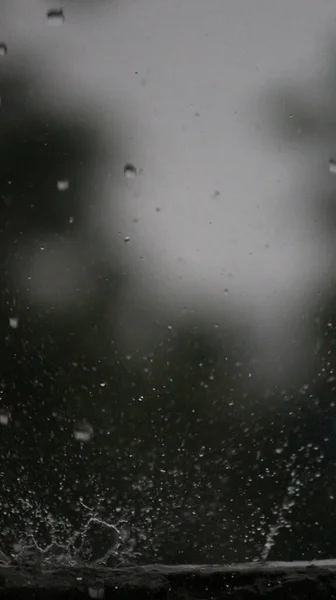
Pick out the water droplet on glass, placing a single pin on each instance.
(14, 322)
(127, 238)
(4, 416)
(3, 49)
(55, 16)
(226, 291)
(130, 171)
(62, 185)
(83, 431)
(71, 220)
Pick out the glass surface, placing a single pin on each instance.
(167, 239)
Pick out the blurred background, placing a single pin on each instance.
(167, 268)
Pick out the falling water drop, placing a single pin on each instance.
(83, 431)
(332, 166)
(130, 171)
(4, 416)
(96, 592)
(62, 185)
(55, 16)
(14, 322)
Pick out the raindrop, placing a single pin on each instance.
(83, 431)
(96, 592)
(127, 238)
(55, 16)
(332, 166)
(130, 171)
(14, 322)
(62, 185)
(3, 49)
(4, 416)
(226, 291)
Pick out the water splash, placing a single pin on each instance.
(98, 541)
(293, 490)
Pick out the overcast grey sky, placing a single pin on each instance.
(182, 79)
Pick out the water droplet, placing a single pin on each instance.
(96, 592)
(55, 16)
(83, 431)
(226, 291)
(3, 49)
(14, 322)
(332, 166)
(62, 185)
(127, 238)
(4, 416)
(71, 220)
(130, 171)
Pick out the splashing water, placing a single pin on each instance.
(291, 495)
(97, 542)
